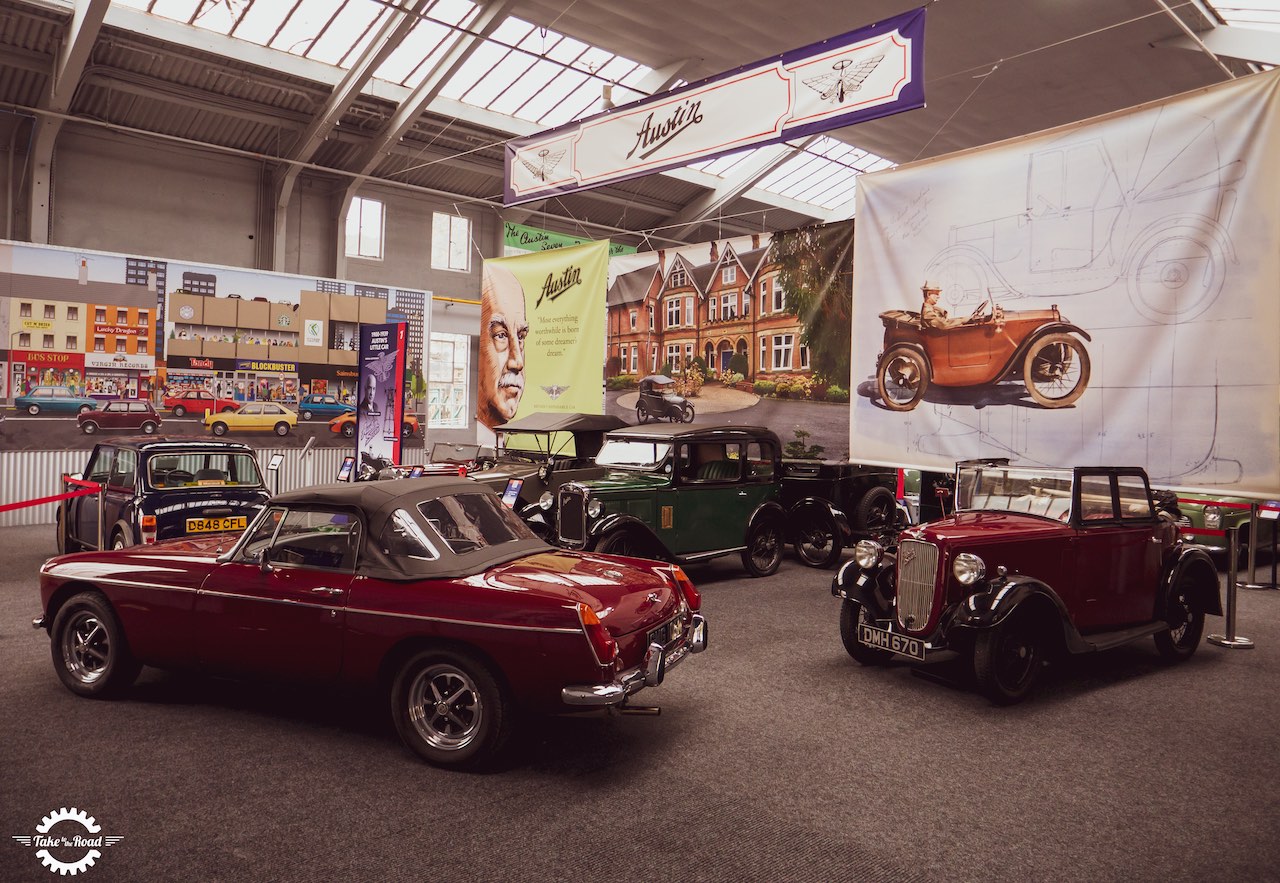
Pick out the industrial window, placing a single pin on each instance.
(366, 229)
(447, 360)
(450, 242)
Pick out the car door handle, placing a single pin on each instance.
(326, 590)
(742, 493)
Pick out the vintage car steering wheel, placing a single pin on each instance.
(979, 311)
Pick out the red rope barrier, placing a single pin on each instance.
(91, 488)
(1221, 504)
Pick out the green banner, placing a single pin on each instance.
(542, 319)
(519, 239)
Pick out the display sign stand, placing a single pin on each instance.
(1231, 640)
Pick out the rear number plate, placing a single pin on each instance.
(216, 525)
(665, 634)
(887, 640)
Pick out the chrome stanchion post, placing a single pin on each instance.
(1255, 527)
(1230, 640)
(102, 501)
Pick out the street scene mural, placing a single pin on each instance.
(1100, 293)
(80, 330)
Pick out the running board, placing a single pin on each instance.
(1111, 640)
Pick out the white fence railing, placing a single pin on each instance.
(29, 475)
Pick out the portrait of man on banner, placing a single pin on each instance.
(542, 328)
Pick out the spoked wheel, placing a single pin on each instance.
(1056, 370)
(852, 613)
(1007, 659)
(818, 542)
(89, 650)
(763, 554)
(449, 708)
(876, 511)
(642, 413)
(686, 413)
(1186, 623)
(902, 379)
(348, 430)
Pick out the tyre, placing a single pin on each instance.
(624, 543)
(149, 428)
(64, 544)
(1176, 275)
(85, 409)
(686, 413)
(902, 379)
(1056, 370)
(228, 409)
(349, 430)
(876, 511)
(763, 553)
(121, 537)
(851, 613)
(219, 428)
(282, 428)
(450, 710)
(817, 537)
(642, 413)
(88, 427)
(33, 410)
(179, 411)
(305, 415)
(1007, 659)
(1186, 622)
(90, 653)
(406, 430)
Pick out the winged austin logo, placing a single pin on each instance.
(848, 77)
(545, 165)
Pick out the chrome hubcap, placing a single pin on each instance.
(86, 647)
(445, 707)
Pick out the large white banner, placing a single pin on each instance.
(1109, 293)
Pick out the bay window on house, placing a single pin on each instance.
(673, 312)
(782, 351)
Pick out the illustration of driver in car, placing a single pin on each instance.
(934, 316)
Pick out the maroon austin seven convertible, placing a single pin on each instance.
(430, 588)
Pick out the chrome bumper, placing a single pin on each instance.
(39, 622)
(657, 660)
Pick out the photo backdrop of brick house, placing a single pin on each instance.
(710, 300)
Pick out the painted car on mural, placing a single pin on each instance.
(322, 406)
(1033, 563)
(121, 414)
(345, 425)
(253, 417)
(161, 489)
(197, 401)
(430, 590)
(1041, 349)
(53, 400)
(1093, 217)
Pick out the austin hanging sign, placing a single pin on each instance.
(872, 72)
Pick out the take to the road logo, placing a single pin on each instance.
(68, 841)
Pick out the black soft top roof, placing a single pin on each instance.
(164, 445)
(376, 501)
(668, 432)
(551, 422)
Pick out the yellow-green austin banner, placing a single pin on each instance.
(542, 319)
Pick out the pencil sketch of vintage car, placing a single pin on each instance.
(1040, 348)
(1158, 225)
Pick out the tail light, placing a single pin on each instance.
(603, 646)
(148, 524)
(691, 595)
(462, 470)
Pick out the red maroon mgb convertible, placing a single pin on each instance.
(431, 589)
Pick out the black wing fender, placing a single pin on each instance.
(1196, 564)
(622, 521)
(819, 506)
(1002, 596)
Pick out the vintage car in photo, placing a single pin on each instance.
(161, 489)
(121, 414)
(1040, 349)
(658, 400)
(831, 505)
(535, 455)
(53, 400)
(253, 417)
(345, 425)
(322, 407)
(682, 494)
(1033, 563)
(431, 591)
(197, 401)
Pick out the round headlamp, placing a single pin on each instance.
(546, 501)
(867, 553)
(968, 568)
(595, 508)
(1212, 517)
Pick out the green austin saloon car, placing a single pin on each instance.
(683, 494)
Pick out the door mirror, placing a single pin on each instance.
(264, 561)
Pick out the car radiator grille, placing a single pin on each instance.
(572, 517)
(917, 577)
